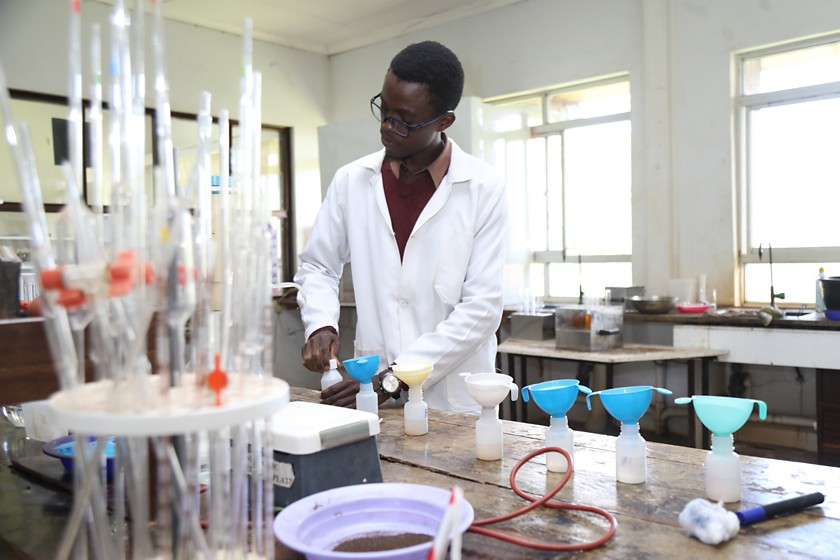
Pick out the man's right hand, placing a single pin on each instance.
(344, 393)
(321, 346)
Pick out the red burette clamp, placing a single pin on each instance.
(119, 276)
(217, 379)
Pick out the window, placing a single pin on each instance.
(572, 170)
(788, 117)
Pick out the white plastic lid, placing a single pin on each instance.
(333, 363)
(301, 428)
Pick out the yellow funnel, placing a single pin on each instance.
(413, 373)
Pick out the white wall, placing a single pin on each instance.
(33, 47)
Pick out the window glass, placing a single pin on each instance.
(797, 281)
(554, 196)
(597, 185)
(792, 69)
(530, 107)
(794, 169)
(586, 103)
(569, 278)
(538, 211)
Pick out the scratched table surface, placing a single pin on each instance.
(646, 513)
(33, 513)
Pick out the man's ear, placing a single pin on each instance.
(446, 122)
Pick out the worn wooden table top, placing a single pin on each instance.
(624, 354)
(646, 513)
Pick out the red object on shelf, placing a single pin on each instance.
(693, 307)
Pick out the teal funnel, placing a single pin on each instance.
(723, 416)
(363, 367)
(555, 397)
(627, 404)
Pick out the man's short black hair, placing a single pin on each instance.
(437, 67)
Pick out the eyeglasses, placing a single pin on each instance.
(400, 127)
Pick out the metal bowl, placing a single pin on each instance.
(653, 305)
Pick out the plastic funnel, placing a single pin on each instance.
(490, 389)
(363, 367)
(723, 416)
(555, 397)
(626, 404)
(314, 525)
(413, 373)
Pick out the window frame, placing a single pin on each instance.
(744, 104)
(546, 130)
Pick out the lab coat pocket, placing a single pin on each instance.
(455, 251)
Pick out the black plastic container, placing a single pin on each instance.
(830, 288)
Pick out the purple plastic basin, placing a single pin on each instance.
(316, 524)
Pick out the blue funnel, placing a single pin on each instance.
(363, 367)
(627, 404)
(723, 416)
(555, 397)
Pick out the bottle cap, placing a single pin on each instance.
(333, 363)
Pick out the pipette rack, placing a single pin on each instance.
(192, 475)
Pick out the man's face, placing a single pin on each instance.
(410, 103)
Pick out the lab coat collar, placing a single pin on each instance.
(459, 171)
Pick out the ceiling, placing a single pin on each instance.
(324, 26)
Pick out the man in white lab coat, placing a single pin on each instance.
(423, 224)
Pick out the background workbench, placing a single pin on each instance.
(32, 515)
(626, 354)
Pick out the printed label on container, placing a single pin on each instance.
(284, 474)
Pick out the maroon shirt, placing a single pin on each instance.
(405, 201)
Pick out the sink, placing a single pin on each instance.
(797, 314)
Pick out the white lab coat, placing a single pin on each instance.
(443, 302)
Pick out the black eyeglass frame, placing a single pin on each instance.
(393, 121)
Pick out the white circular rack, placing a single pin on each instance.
(143, 408)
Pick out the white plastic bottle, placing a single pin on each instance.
(416, 413)
(367, 399)
(559, 435)
(630, 457)
(331, 377)
(819, 304)
(723, 471)
(488, 435)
